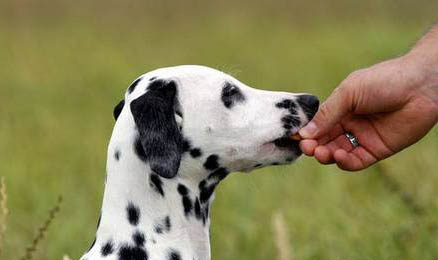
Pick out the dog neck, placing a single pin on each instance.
(145, 214)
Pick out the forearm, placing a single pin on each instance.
(422, 61)
(425, 50)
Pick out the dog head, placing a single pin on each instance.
(187, 113)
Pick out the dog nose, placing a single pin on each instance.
(310, 105)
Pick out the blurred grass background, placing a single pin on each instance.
(65, 64)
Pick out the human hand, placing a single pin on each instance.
(388, 107)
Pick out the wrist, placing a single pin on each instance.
(424, 68)
(423, 57)
(424, 76)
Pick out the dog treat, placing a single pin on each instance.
(296, 137)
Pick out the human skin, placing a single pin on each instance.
(388, 107)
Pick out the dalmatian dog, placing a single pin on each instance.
(179, 132)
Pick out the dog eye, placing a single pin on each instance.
(230, 90)
(231, 94)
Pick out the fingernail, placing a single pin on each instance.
(308, 131)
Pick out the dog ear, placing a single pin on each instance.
(160, 137)
(118, 109)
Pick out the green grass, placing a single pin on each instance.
(64, 66)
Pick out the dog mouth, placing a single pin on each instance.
(286, 142)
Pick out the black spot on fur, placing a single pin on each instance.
(153, 78)
(206, 193)
(186, 145)
(198, 212)
(127, 252)
(182, 189)
(118, 109)
(133, 85)
(167, 223)
(291, 120)
(202, 184)
(133, 214)
(219, 174)
(187, 203)
(173, 255)
(212, 162)
(158, 229)
(195, 152)
(287, 104)
(231, 94)
(163, 225)
(207, 187)
(206, 212)
(138, 238)
(107, 248)
(117, 155)
(156, 183)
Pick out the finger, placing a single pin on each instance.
(308, 146)
(334, 133)
(357, 159)
(329, 114)
(323, 155)
(347, 161)
(340, 142)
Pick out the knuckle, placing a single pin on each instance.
(354, 79)
(357, 74)
(324, 112)
(324, 109)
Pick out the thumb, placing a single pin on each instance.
(337, 105)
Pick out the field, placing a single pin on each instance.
(64, 66)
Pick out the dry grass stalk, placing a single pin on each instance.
(394, 186)
(4, 211)
(66, 257)
(42, 231)
(281, 237)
